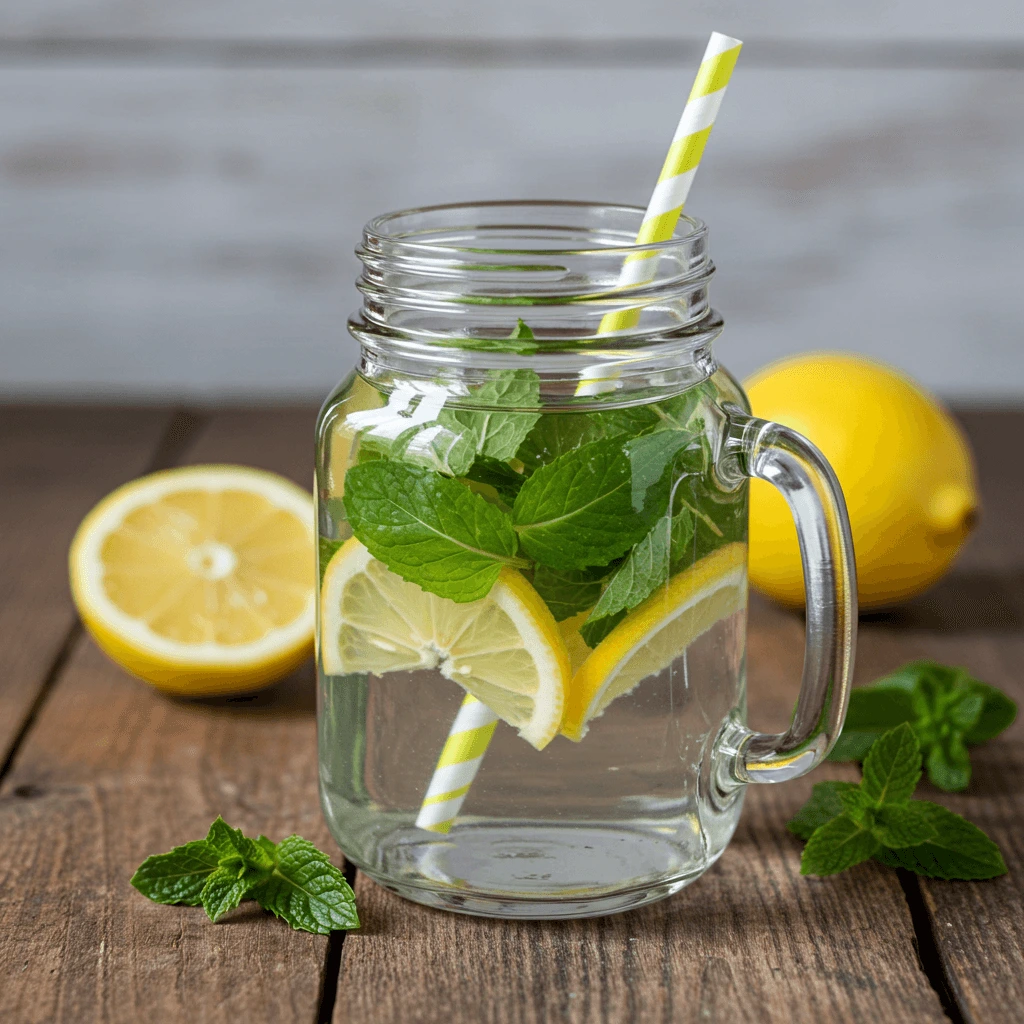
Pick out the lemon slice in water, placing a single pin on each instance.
(655, 633)
(200, 580)
(504, 649)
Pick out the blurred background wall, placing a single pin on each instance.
(182, 183)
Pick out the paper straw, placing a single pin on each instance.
(457, 766)
(678, 171)
(474, 725)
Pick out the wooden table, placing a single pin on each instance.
(98, 771)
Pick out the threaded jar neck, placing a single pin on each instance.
(561, 287)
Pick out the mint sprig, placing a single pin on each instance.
(845, 824)
(292, 879)
(429, 529)
(947, 709)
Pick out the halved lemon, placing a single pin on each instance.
(655, 633)
(504, 649)
(200, 580)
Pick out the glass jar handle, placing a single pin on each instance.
(787, 460)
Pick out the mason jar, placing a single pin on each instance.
(532, 515)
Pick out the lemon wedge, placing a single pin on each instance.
(504, 649)
(655, 633)
(200, 580)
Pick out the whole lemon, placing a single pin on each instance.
(904, 465)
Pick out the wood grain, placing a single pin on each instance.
(975, 618)
(54, 465)
(110, 772)
(230, 199)
(751, 940)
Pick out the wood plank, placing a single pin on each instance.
(978, 927)
(54, 465)
(602, 19)
(110, 772)
(230, 201)
(751, 940)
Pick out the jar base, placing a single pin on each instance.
(489, 871)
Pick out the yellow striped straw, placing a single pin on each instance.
(678, 171)
(474, 725)
(457, 766)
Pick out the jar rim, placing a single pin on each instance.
(380, 230)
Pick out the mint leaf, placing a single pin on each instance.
(892, 767)
(499, 475)
(877, 708)
(325, 553)
(649, 457)
(446, 448)
(307, 890)
(430, 530)
(997, 712)
(497, 434)
(907, 825)
(949, 764)
(852, 746)
(521, 332)
(837, 845)
(179, 875)
(568, 592)
(577, 512)
(557, 434)
(235, 848)
(644, 570)
(958, 850)
(825, 804)
(226, 888)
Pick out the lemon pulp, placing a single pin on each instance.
(504, 649)
(655, 633)
(200, 579)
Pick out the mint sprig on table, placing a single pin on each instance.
(292, 879)
(845, 823)
(947, 709)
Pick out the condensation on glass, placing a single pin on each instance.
(650, 797)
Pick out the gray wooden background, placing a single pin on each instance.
(181, 184)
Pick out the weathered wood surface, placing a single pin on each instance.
(883, 217)
(54, 465)
(109, 771)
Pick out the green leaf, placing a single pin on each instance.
(448, 448)
(521, 332)
(326, 550)
(852, 746)
(903, 825)
(649, 457)
(557, 434)
(179, 875)
(235, 848)
(226, 888)
(837, 845)
(825, 804)
(964, 714)
(499, 475)
(959, 850)
(430, 530)
(858, 806)
(949, 764)
(577, 512)
(644, 570)
(307, 890)
(495, 433)
(892, 767)
(877, 708)
(568, 592)
(997, 712)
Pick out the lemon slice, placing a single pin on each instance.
(655, 633)
(200, 580)
(504, 649)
